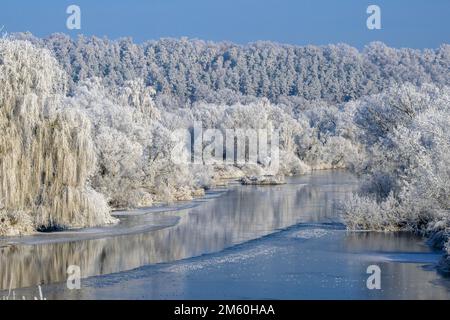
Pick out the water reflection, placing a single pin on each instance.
(241, 214)
(406, 280)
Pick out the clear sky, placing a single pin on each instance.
(405, 23)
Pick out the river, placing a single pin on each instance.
(242, 242)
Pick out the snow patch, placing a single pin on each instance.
(310, 233)
(237, 257)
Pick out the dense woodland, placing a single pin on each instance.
(86, 125)
(195, 70)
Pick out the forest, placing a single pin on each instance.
(87, 126)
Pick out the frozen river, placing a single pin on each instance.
(243, 242)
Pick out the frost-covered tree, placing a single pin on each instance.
(46, 152)
(194, 70)
(132, 139)
(406, 170)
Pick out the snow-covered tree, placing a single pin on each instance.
(46, 152)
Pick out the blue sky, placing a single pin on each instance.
(405, 23)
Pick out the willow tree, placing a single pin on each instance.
(46, 153)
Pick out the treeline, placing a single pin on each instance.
(194, 70)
